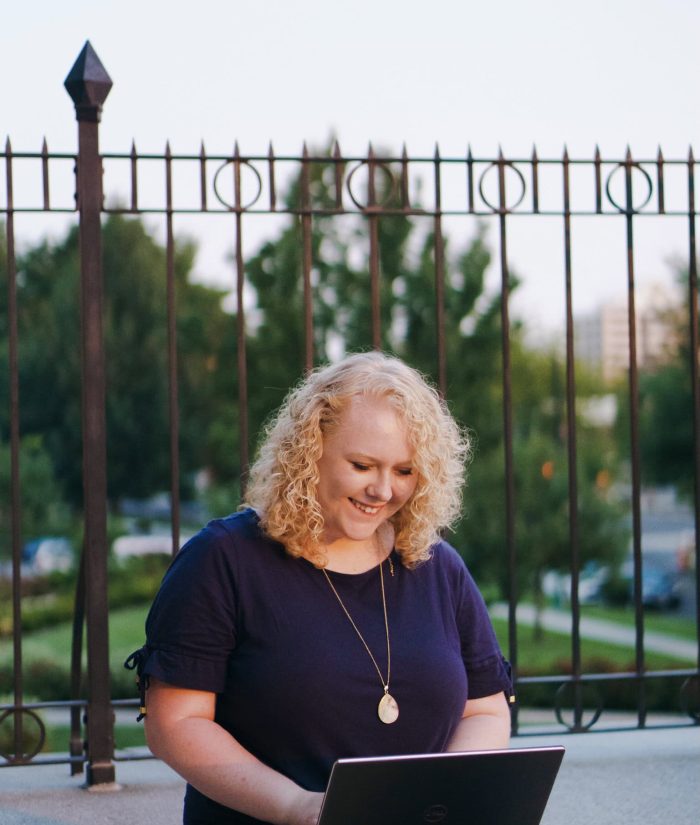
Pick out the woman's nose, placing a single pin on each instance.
(380, 488)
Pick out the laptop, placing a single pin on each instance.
(498, 787)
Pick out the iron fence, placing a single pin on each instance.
(374, 186)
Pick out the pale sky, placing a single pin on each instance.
(510, 73)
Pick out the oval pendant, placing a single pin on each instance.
(388, 709)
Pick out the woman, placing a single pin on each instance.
(327, 619)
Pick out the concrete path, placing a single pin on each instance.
(601, 630)
(607, 778)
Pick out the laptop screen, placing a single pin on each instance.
(498, 787)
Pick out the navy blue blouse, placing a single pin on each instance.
(238, 616)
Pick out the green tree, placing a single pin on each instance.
(136, 358)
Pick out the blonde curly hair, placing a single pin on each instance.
(284, 478)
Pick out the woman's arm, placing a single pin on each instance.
(180, 730)
(485, 725)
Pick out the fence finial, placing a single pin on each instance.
(88, 84)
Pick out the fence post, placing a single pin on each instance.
(88, 84)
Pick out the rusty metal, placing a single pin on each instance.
(509, 466)
(661, 206)
(242, 360)
(133, 166)
(536, 185)
(633, 383)
(571, 455)
(374, 269)
(202, 178)
(173, 394)
(88, 85)
(76, 743)
(306, 262)
(15, 495)
(439, 246)
(694, 379)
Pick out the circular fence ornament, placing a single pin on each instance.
(32, 735)
(690, 697)
(387, 187)
(484, 181)
(245, 170)
(565, 702)
(637, 173)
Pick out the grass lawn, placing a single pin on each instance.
(680, 626)
(546, 655)
(126, 633)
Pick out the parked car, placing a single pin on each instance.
(660, 585)
(47, 554)
(144, 544)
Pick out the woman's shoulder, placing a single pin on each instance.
(229, 538)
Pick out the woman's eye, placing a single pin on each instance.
(359, 466)
(405, 471)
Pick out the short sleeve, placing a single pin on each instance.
(488, 672)
(191, 627)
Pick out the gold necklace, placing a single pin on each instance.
(388, 709)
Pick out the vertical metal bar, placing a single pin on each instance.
(339, 172)
(134, 178)
(511, 547)
(695, 382)
(307, 261)
(242, 361)
(572, 457)
(598, 183)
(634, 445)
(173, 394)
(202, 178)
(374, 275)
(271, 173)
(88, 84)
(470, 180)
(660, 182)
(535, 181)
(76, 671)
(15, 493)
(45, 175)
(405, 200)
(439, 278)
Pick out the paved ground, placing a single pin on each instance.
(607, 778)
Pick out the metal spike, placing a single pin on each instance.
(202, 150)
(436, 156)
(659, 155)
(133, 149)
(270, 152)
(691, 156)
(336, 149)
(566, 154)
(535, 159)
(236, 150)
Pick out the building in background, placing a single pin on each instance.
(602, 336)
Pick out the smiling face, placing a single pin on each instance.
(366, 471)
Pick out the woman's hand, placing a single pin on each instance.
(305, 808)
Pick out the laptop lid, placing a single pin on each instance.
(497, 787)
